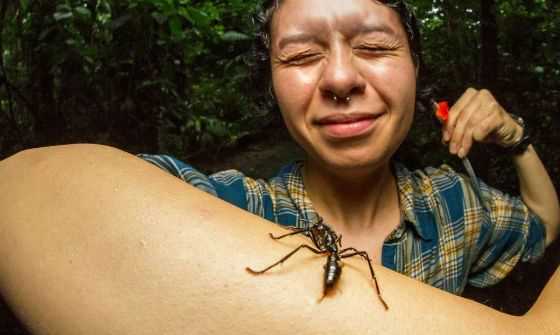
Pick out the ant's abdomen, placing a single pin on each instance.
(332, 272)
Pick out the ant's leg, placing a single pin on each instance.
(285, 258)
(294, 231)
(365, 256)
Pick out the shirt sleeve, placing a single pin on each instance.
(255, 196)
(227, 185)
(506, 233)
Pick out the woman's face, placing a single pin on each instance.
(358, 49)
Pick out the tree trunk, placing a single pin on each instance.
(49, 125)
(489, 61)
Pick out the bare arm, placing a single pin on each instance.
(478, 117)
(96, 241)
(538, 192)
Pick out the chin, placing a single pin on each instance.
(354, 165)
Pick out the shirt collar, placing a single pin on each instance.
(410, 197)
(307, 215)
(293, 181)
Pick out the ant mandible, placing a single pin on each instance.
(326, 242)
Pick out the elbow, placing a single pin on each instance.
(549, 215)
(552, 225)
(552, 231)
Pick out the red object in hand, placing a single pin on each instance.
(442, 112)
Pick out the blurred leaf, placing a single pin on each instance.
(176, 28)
(160, 18)
(62, 16)
(119, 22)
(234, 36)
(83, 11)
(196, 16)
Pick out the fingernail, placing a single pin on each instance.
(462, 153)
(446, 136)
(453, 148)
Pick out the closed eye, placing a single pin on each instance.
(375, 50)
(303, 59)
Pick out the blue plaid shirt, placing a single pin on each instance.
(446, 239)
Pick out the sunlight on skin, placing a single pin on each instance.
(118, 240)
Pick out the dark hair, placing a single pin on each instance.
(260, 65)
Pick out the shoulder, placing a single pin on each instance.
(256, 195)
(230, 185)
(267, 198)
(429, 180)
(435, 194)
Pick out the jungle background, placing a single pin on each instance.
(171, 76)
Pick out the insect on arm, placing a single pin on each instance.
(326, 243)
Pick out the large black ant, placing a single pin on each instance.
(326, 242)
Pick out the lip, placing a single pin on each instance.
(345, 126)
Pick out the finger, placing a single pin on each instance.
(463, 124)
(466, 144)
(476, 118)
(458, 107)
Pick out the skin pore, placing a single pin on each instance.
(356, 49)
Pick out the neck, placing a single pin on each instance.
(352, 203)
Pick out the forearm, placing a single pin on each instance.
(537, 191)
(96, 241)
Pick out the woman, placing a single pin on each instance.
(344, 74)
(100, 243)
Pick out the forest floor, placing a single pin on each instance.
(264, 157)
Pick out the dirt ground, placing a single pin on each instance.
(514, 295)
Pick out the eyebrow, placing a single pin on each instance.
(296, 38)
(361, 29)
(374, 28)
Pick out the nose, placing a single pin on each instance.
(340, 77)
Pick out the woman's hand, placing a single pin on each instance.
(477, 116)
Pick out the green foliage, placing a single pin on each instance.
(528, 73)
(170, 76)
(137, 73)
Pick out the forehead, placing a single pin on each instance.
(348, 17)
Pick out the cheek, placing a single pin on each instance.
(396, 84)
(404, 98)
(408, 101)
(399, 78)
(294, 91)
(293, 87)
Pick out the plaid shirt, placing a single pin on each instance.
(446, 238)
